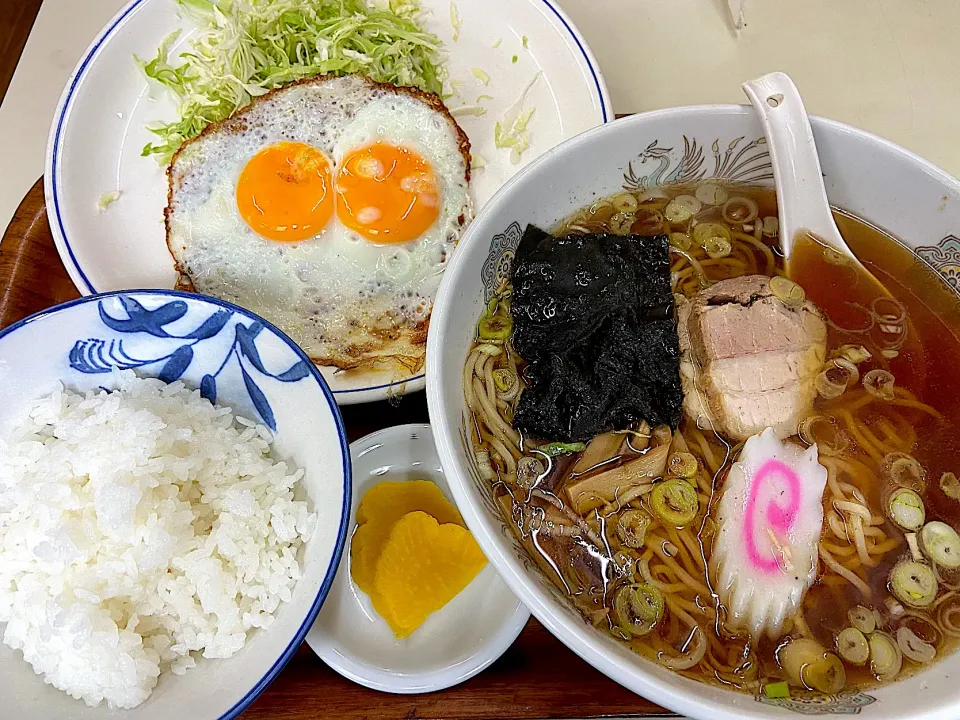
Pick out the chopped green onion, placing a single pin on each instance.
(711, 193)
(913, 647)
(496, 44)
(681, 241)
(717, 247)
(514, 59)
(863, 619)
(885, 656)
(950, 485)
(675, 502)
(683, 465)
(632, 527)
(904, 470)
(524, 41)
(787, 291)
(777, 690)
(558, 448)
(852, 646)
(807, 664)
(505, 379)
(637, 608)
(913, 583)
(529, 472)
(497, 322)
(941, 544)
(906, 509)
(682, 208)
(879, 383)
(739, 210)
(854, 353)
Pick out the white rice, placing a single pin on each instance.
(138, 528)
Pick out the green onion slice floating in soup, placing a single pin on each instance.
(632, 527)
(905, 508)
(681, 241)
(702, 232)
(914, 583)
(739, 210)
(941, 544)
(505, 379)
(863, 619)
(529, 472)
(809, 665)
(950, 485)
(777, 690)
(879, 383)
(885, 656)
(852, 646)
(637, 608)
(787, 291)
(913, 647)
(675, 502)
(904, 470)
(683, 465)
(497, 322)
(682, 208)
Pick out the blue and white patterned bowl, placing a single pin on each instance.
(236, 359)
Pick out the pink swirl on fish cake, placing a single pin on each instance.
(780, 518)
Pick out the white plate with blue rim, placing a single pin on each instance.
(99, 129)
(236, 359)
(455, 643)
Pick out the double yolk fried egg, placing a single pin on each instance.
(330, 208)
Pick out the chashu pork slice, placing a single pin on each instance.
(748, 361)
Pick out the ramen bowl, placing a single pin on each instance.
(865, 175)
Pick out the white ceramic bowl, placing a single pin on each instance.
(244, 362)
(455, 643)
(864, 174)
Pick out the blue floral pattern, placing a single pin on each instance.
(944, 257)
(98, 355)
(496, 270)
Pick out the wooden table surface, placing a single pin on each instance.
(537, 677)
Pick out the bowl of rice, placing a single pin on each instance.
(174, 499)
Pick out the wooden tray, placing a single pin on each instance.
(537, 677)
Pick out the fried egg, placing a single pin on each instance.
(329, 207)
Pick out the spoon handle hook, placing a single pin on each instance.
(796, 167)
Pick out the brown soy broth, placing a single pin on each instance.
(933, 309)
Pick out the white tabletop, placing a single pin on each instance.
(884, 65)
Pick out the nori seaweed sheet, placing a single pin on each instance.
(593, 317)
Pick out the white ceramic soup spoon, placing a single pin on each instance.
(801, 196)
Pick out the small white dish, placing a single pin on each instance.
(99, 129)
(457, 641)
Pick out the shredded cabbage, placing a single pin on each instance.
(511, 132)
(244, 48)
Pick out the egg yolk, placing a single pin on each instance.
(387, 194)
(285, 192)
